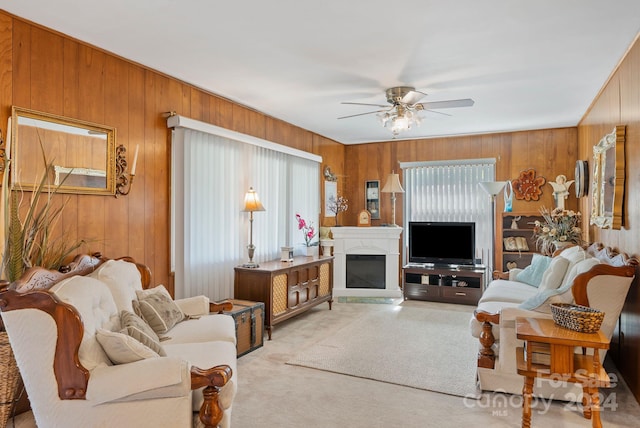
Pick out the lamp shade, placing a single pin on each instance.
(492, 187)
(393, 184)
(252, 202)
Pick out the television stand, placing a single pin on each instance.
(450, 284)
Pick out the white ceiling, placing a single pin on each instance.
(527, 64)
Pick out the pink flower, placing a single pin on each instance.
(308, 231)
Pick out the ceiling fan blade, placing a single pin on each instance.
(361, 114)
(466, 102)
(365, 104)
(435, 111)
(412, 97)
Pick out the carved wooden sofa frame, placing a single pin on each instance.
(616, 263)
(30, 291)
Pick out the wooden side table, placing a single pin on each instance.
(563, 362)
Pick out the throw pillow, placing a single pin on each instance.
(158, 309)
(553, 276)
(121, 348)
(137, 328)
(533, 273)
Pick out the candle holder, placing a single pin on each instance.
(124, 181)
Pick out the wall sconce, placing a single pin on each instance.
(251, 204)
(124, 183)
(393, 186)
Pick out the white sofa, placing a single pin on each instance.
(66, 338)
(595, 277)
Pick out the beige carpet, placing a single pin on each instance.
(421, 347)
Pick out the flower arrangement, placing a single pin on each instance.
(559, 226)
(308, 230)
(337, 205)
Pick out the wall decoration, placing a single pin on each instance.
(372, 198)
(330, 193)
(582, 178)
(527, 186)
(561, 190)
(508, 197)
(608, 180)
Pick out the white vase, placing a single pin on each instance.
(310, 251)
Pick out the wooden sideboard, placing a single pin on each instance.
(286, 288)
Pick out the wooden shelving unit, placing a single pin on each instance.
(521, 258)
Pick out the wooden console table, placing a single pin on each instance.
(564, 363)
(286, 288)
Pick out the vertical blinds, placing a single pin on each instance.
(212, 169)
(449, 191)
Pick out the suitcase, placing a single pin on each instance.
(249, 319)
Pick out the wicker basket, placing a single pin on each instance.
(9, 379)
(578, 318)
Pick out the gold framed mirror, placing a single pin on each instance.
(608, 180)
(82, 153)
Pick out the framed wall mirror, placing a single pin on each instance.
(82, 153)
(608, 180)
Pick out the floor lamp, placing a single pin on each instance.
(493, 188)
(251, 204)
(393, 186)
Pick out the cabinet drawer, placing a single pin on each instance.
(461, 294)
(420, 291)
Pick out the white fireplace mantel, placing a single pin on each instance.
(371, 241)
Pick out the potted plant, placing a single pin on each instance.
(309, 232)
(337, 205)
(559, 228)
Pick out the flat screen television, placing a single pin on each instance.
(442, 243)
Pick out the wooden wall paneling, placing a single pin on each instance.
(136, 229)
(92, 217)
(283, 133)
(619, 103)
(21, 64)
(221, 112)
(46, 71)
(248, 121)
(199, 106)
(70, 106)
(117, 114)
(147, 168)
(6, 69)
(173, 95)
(332, 156)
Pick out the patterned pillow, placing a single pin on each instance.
(532, 274)
(121, 348)
(137, 328)
(158, 309)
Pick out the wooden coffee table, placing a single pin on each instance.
(564, 363)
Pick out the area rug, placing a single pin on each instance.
(423, 346)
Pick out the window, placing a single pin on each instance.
(449, 191)
(212, 169)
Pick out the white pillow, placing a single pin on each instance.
(94, 303)
(123, 279)
(580, 267)
(553, 276)
(158, 309)
(136, 327)
(574, 255)
(123, 349)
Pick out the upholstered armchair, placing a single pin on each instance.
(70, 383)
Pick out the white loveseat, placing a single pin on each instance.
(83, 360)
(596, 277)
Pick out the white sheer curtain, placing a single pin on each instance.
(212, 169)
(449, 191)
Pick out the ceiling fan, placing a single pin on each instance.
(402, 113)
